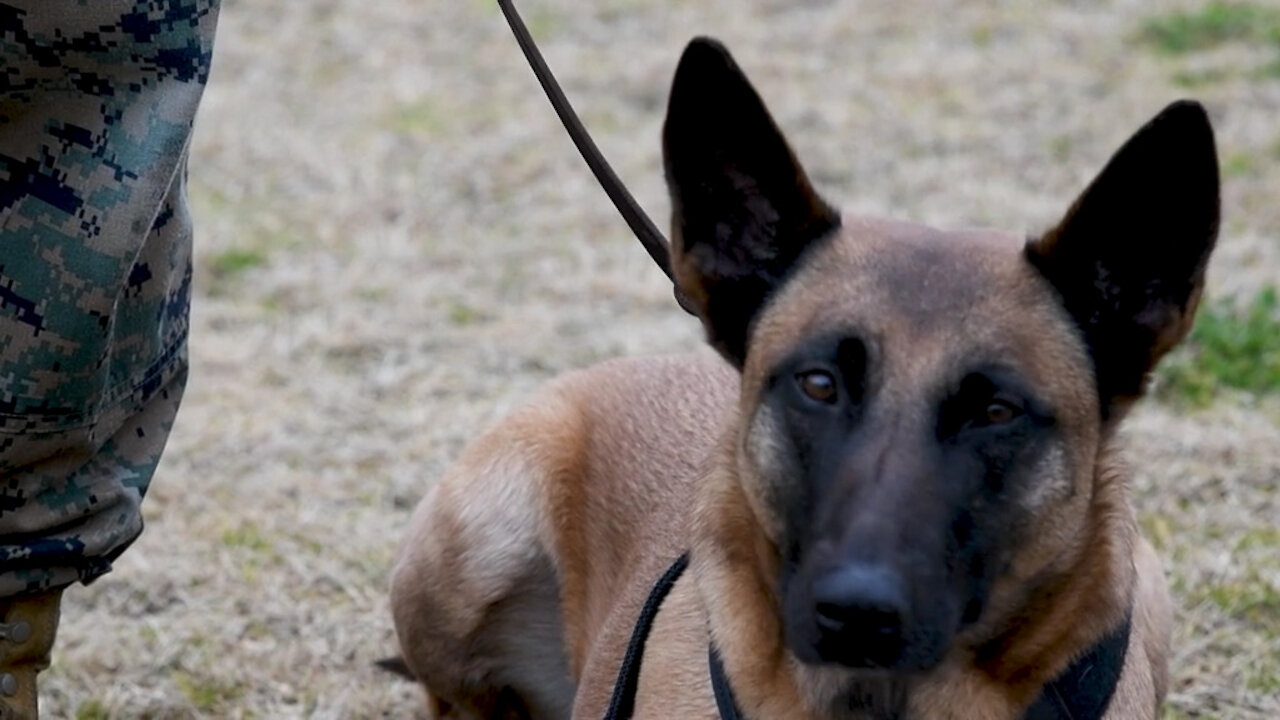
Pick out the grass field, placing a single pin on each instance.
(396, 243)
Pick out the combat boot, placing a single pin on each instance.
(28, 624)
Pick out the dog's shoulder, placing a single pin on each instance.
(639, 410)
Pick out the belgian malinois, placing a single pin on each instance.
(897, 486)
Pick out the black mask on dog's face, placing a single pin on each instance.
(902, 511)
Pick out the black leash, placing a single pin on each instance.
(623, 702)
(649, 235)
(1082, 692)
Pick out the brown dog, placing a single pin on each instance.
(900, 494)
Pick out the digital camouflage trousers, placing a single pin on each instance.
(97, 100)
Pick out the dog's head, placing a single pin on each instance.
(922, 411)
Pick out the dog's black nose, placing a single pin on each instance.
(860, 611)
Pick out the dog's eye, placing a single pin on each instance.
(818, 385)
(998, 412)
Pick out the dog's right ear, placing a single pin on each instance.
(743, 210)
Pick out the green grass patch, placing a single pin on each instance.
(1060, 146)
(1158, 530)
(1238, 165)
(1229, 348)
(1265, 679)
(981, 36)
(1262, 537)
(247, 537)
(1252, 600)
(423, 118)
(1270, 71)
(92, 710)
(207, 694)
(544, 22)
(1196, 79)
(1212, 25)
(463, 315)
(235, 261)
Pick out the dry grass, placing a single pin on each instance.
(397, 242)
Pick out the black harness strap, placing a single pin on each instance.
(726, 703)
(623, 702)
(1082, 692)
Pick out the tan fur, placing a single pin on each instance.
(535, 552)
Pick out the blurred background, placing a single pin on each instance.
(396, 242)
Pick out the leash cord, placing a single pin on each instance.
(643, 228)
(623, 701)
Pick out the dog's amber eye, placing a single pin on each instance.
(999, 412)
(818, 385)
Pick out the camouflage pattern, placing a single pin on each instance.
(97, 99)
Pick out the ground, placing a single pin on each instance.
(396, 243)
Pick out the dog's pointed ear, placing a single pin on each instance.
(1129, 258)
(743, 210)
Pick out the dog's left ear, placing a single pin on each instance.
(1129, 258)
(743, 210)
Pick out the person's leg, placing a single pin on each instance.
(47, 561)
(95, 276)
